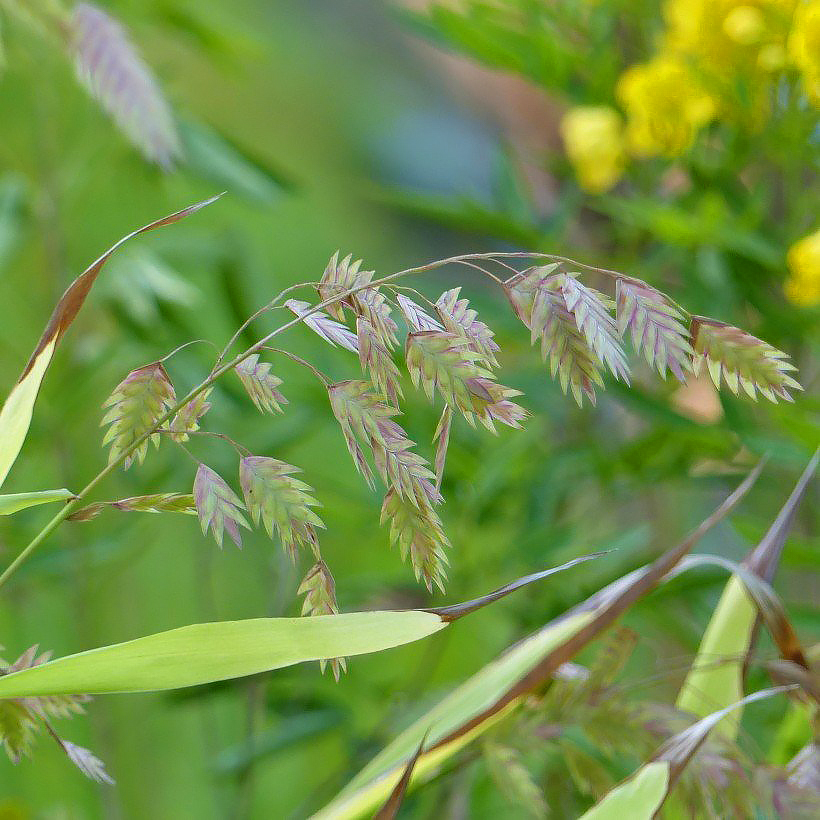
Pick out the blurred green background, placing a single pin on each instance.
(354, 125)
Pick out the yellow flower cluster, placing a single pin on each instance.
(665, 107)
(803, 285)
(804, 46)
(594, 143)
(714, 53)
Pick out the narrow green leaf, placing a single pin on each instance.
(19, 501)
(204, 653)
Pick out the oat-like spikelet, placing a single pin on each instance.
(460, 319)
(109, 67)
(537, 300)
(377, 360)
(443, 361)
(418, 531)
(22, 718)
(138, 402)
(333, 332)
(281, 501)
(591, 310)
(367, 420)
(338, 278)
(319, 590)
(218, 506)
(742, 360)
(187, 418)
(155, 503)
(656, 326)
(416, 317)
(367, 302)
(442, 440)
(491, 402)
(260, 384)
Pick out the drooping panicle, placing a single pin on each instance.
(137, 404)
(218, 506)
(282, 502)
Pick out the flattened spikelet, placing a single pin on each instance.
(22, 718)
(741, 360)
(218, 506)
(538, 302)
(377, 360)
(460, 319)
(338, 278)
(260, 384)
(156, 503)
(87, 762)
(333, 332)
(418, 532)
(319, 590)
(138, 402)
(187, 418)
(444, 361)
(442, 440)
(368, 302)
(281, 501)
(656, 326)
(591, 310)
(416, 317)
(109, 67)
(366, 420)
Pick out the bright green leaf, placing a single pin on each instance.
(19, 501)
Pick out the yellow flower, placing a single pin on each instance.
(804, 46)
(594, 144)
(803, 285)
(665, 106)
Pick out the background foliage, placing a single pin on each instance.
(355, 126)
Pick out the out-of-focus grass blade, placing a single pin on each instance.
(213, 158)
(15, 417)
(204, 653)
(19, 501)
(641, 796)
(716, 676)
(492, 692)
(290, 731)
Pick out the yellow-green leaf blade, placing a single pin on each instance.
(15, 417)
(376, 780)
(203, 653)
(637, 798)
(15, 502)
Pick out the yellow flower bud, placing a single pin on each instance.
(594, 144)
(803, 285)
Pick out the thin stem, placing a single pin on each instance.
(243, 451)
(221, 369)
(187, 344)
(299, 360)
